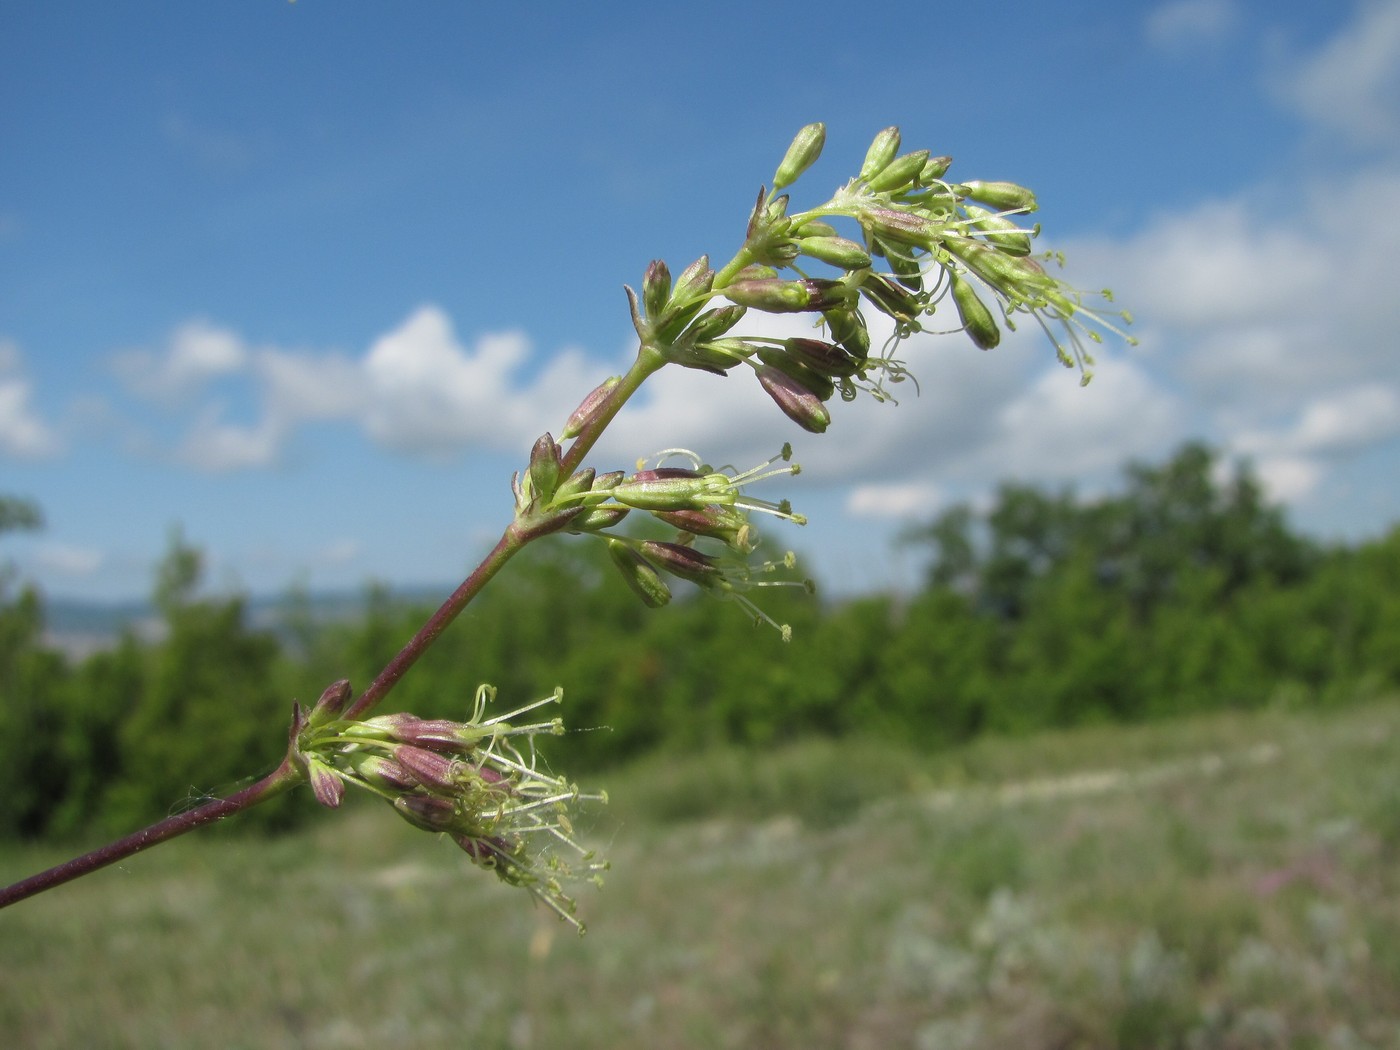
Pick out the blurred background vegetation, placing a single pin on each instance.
(1183, 592)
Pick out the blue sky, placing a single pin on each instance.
(307, 279)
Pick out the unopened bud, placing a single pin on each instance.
(546, 464)
(901, 227)
(434, 770)
(880, 153)
(1003, 196)
(427, 812)
(999, 230)
(639, 574)
(714, 323)
(898, 173)
(328, 788)
(656, 289)
(596, 519)
(934, 169)
(381, 772)
(589, 408)
(838, 251)
(663, 488)
(826, 358)
(977, 318)
(770, 295)
(817, 383)
(1012, 275)
(331, 703)
(801, 155)
(797, 402)
(715, 522)
(578, 483)
(682, 561)
(695, 279)
(847, 327)
(887, 296)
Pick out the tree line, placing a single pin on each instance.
(1183, 591)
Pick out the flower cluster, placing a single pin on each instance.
(469, 780)
(924, 241)
(701, 503)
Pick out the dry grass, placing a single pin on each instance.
(1227, 882)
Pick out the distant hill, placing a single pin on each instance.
(79, 628)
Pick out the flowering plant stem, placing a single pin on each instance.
(925, 243)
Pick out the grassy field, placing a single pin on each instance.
(1228, 882)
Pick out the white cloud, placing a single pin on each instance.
(1292, 460)
(1052, 430)
(68, 559)
(23, 433)
(214, 445)
(1288, 479)
(197, 353)
(417, 389)
(1351, 85)
(898, 500)
(1190, 23)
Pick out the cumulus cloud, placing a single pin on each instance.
(197, 353)
(23, 432)
(1351, 85)
(417, 389)
(429, 393)
(1190, 23)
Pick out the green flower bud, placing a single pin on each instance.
(755, 271)
(1014, 276)
(934, 169)
(901, 227)
(838, 251)
(815, 228)
(639, 574)
(656, 289)
(1003, 196)
(589, 407)
(777, 296)
(998, 230)
(714, 323)
(847, 327)
(977, 318)
(578, 483)
(695, 279)
(898, 173)
(715, 356)
(546, 464)
(892, 299)
(880, 153)
(797, 402)
(801, 155)
(663, 488)
(596, 519)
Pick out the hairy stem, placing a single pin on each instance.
(283, 778)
